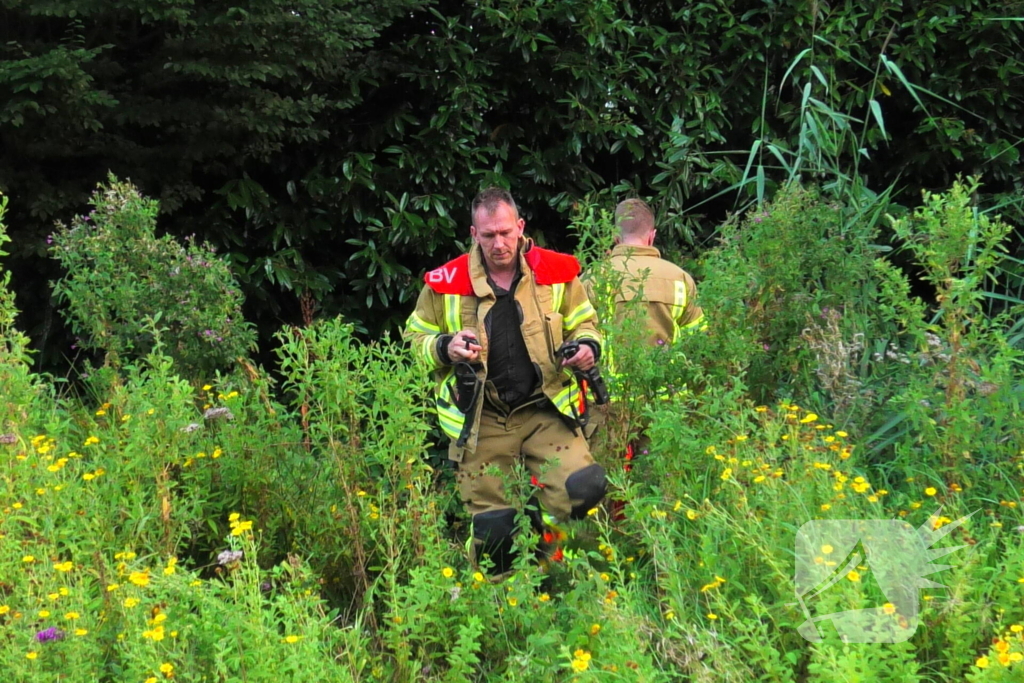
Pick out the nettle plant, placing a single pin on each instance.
(120, 275)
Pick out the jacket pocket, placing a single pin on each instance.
(554, 324)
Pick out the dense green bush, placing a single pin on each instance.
(125, 286)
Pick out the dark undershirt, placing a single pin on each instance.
(508, 364)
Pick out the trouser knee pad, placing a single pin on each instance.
(494, 532)
(587, 485)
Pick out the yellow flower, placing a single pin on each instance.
(167, 669)
(742, 437)
(234, 517)
(544, 597)
(43, 613)
(981, 662)
(113, 587)
(241, 527)
(595, 629)
(809, 417)
(827, 549)
(31, 655)
(131, 602)
(930, 491)
(841, 434)
(853, 576)
(71, 616)
(91, 441)
(478, 577)
(712, 616)
(292, 639)
(759, 478)
(670, 615)
(1016, 628)
(151, 679)
(761, 409)
(825, 507)
(64, 566)
(207, 387)
(580, 664)
(17, 506)
(140, 579)
(157, 634)
(605, 577)
(4, 609)
(889, 608)
(726, 473)
(448, 572)
(512, 602)
(81, 632)
(691, 515)
(170, 568)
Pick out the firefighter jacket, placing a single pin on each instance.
(666, 290)
(457, 296)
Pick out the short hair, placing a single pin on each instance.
(489, 200)
(634, 218)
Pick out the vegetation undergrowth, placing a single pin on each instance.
(177, 522)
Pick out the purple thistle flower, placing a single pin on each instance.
(48, 634)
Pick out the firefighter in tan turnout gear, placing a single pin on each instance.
(666, 291)
(490, 324)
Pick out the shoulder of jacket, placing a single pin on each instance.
(451, 278)
(551, 267)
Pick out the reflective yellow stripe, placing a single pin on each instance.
(581, 313)
(557, 294)
(452, 314)
(450, 418)
(566, 399)
(678, 307)
(426, 348)
(418, 324)
(587, 334)
(697, 324)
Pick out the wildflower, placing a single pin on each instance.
(50, 634)
(43, 613)
(981, 662)
(169, 569)
(156, 634)
(113, 587)
(131, 602)
(580, 660)
(691, 515)
(140, 579)
(478, 577)
(1016, 628)
(759, 478)
(31, 655)
(81, 632)
(28, 558)
(841, 434)
(544, 597)
(92, 440)
(4, 609)
(825, 507)
(712, 616)
(827, 549)
(292, 639)
(448, 572)
(761, 409)
(742, 437)
(889, 608)
(151, 679)
(64, 566)
(227, 557)
(726, 473)
(930, 491)
(670, 615)
(512, 602)
(854, 576)
(595, 629)
(241, 527)
(658, 514)
(71, 616)
(809, 417)
(167, 669)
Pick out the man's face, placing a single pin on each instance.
(498, 235)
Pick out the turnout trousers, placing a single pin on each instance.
(566, 481)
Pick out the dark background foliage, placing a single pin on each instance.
(330, 148)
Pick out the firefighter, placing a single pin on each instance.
(665, 290)
(490, 324)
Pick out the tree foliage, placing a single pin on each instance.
(332, 147)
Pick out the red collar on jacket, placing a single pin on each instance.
(549, 268)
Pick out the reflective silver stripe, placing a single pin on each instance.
(678, 306)
(557, 294)
(418, 324)
(581, 313)
(452, 314)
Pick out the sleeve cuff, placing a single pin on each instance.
(443, 340)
